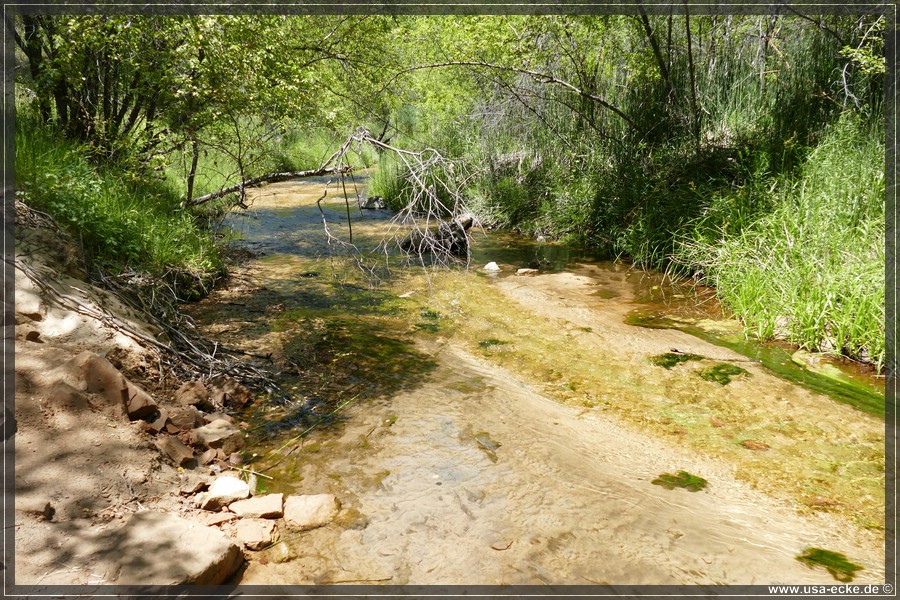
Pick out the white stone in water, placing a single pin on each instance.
(492, 266)
(310, 511)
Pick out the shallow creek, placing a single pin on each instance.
(509, 429)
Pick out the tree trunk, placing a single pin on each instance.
(654, 44)
(695, 119)
(195, 157)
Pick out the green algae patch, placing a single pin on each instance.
(722, 373)
(869, 398)
(491, 342)
(670, 359)
(485, 443)
(682, 479)
(429, 327)
(836, 563)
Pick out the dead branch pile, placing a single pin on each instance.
(182, 350)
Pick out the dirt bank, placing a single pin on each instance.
(84, 463)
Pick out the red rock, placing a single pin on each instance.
(139, 403)
(219, 434)
(208, 456)
(193, 393)
(186, 418)
(102, 378)
(175, 449)
(226, 391)
(159, 423)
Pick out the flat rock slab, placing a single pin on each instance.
(310, 511)
(270, 506)
(155, 548)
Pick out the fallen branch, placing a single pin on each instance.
(270, 178)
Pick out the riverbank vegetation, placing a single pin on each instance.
(745, 151)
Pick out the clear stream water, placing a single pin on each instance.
(451, 469)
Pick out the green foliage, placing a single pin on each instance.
(739, 148)
(120, 226)
(811, 269)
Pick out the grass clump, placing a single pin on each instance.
(836, 563)
(722, 373)
(121, 225)
(682, 479)
(670, 359)
(811, 271)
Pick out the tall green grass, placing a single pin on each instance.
(811, 270)
(121, 225)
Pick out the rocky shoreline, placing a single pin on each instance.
(125, 475)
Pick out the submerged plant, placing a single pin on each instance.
(670, 359)
(836, 563)
(722, 373)
(491, 342)
(682, 479)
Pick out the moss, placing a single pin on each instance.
(836, 563)
(722, 373)
(682, 479)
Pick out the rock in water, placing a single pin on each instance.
(310, 511)
(373, 202)
(492, 267)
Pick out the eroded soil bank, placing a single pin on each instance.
(509, 429)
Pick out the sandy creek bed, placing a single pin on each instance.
(473, 476)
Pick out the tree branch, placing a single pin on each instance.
(536, 75)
